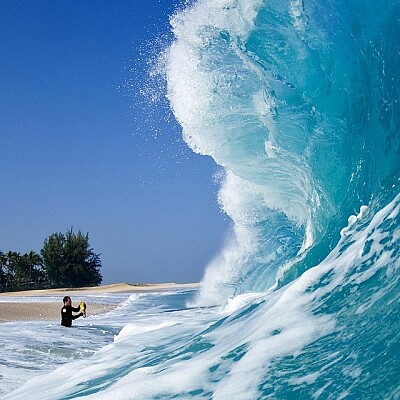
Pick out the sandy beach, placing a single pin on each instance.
(13, 311)
(17, 311)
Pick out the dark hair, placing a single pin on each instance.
(66, 298)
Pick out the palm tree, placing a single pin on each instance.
(35, 263)
(13, 260)
(33, 260)
(3, 267)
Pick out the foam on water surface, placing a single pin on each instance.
(174, 352)
(298, 102)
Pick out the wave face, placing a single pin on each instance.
(298, 102)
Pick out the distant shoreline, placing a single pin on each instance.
(112, 288)
(49, 311)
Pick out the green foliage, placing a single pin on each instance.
(3, 270)
(65, 261)
(53, 257)
(69, 261)
(20, 271)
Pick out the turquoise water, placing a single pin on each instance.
(298, 102)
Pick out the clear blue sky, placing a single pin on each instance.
(78, 146)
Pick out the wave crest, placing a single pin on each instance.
(273, 92)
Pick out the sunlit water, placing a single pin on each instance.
(298, 102)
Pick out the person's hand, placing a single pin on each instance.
(84, 313)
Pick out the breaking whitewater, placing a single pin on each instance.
(298, 102)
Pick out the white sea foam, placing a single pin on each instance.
(164, 353)
(131, 329)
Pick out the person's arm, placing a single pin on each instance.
(77, 316)
(75, 309)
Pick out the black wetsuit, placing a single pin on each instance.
(67, 317)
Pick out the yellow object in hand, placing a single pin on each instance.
(82, 306)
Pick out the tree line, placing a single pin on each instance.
(66, 260)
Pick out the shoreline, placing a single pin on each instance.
(48, 311)
(111, 288)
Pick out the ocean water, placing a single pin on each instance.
(298, 102)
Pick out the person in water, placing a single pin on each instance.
(66, 312)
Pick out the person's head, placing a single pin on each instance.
(67, 300)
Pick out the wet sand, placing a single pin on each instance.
(11, 311)
(17, 311)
